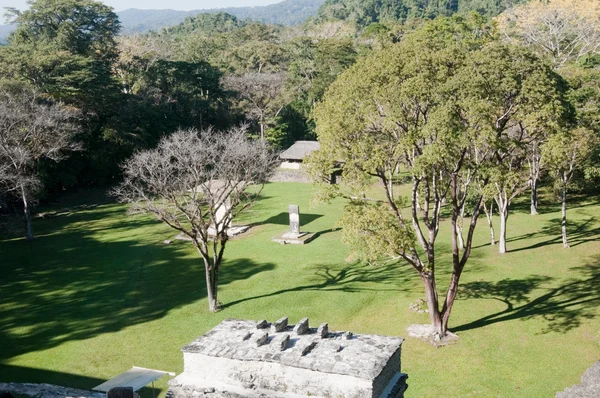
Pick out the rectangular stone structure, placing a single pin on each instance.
(294, 211)
(365, 366)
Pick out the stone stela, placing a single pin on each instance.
(294, 219)
(294, 236)
(249, 359)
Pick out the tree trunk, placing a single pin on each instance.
(211, 280)
(450, 297)
(489, 213)
(535, 182)
(503, 212)
(27, 212)
(459, 229)
(262, 130)
(211, 291)
(564, 217)
(433, 304)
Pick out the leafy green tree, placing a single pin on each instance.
(66, 50)
(565, 154)
(439, 105)
(364, 13)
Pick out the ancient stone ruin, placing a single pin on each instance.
(294, 236)
(259, 359)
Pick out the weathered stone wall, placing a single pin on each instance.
(48, 391)
(268, 377)
(389, 371)
(280, 360)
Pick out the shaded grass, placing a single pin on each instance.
(98, 292)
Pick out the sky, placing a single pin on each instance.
(184, 5)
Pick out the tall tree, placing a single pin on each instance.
(196, 183)
(31, 130)
(66, 50)
(565, 154)
(438, 103)
(564, 30)
(261, 95)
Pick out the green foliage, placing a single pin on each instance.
(206, 23)
(365, 13)
(90, 252)
(81, 27)
(372, 231)
(287, 13)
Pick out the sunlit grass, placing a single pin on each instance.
(98, 291)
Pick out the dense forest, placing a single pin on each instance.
(215, 69)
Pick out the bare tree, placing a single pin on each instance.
(262, 96)
(196, 182)
(567, 30)
(30, 130)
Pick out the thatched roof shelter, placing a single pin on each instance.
(300, 150)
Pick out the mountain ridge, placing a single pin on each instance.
(133, 20)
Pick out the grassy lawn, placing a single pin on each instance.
(98, 292)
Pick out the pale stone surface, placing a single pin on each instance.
(294, 211)
(308, 364)
(287, 238)
(48, 391)
(589, 387)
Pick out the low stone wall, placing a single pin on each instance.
(286, 175)
(48, 391)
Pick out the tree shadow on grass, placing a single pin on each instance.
(71, 286)
(563, 307)
(284, 219)
(551, 204)
(353, 278)
(578, 232)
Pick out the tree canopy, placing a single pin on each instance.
(441, 105)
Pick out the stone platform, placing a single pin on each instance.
(260, 359)
(289, 238)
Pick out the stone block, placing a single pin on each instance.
(281, 342)
(280, 325)
(260, 339)
(323, 330)
(263, 324)
(301, 327)
(308, 348)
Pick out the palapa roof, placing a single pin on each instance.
(300, 150)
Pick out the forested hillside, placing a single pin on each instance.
(288, 13)
(214, 69)
(365, 12)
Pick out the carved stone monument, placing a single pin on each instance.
(294, 236)
(294, 211)
(257, 359)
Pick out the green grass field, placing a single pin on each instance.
(98, 292)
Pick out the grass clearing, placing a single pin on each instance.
(98, 292)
